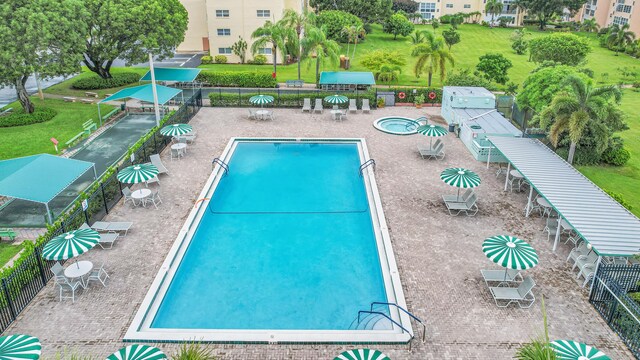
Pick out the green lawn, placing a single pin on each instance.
(33, 139)
(8, 251)
(64, 88)
(624, 179)
(475, 41)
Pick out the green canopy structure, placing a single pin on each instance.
(40, 178)
(573, 350)
(142, 93)
(346, 79)
(138, 352)
(172, 74)
(362, 354)
(135, 174)
(70, 244)
(20, 347)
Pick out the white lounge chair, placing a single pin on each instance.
(352, 105)
(501, 276)
(469, 207)
(365, 106)
(437, 152)
(518, 295)
(176, 153)
(71, 285)
(318, 107)
(108, 239)
(456, 198)
(112, 226)
(155, 160)
(306, 105)
(98, 274)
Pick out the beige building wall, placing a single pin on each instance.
(609, 12)
(196, 37)
(437, 8)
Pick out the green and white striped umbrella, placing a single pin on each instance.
(362, 354)
(176, 129)
(460, 178)
(261, 99)
(19, 347)
(138, 352)
(573, 350)
(510, 252)
(70, 244)
(336, 99)
(432, 131)
(135, 174)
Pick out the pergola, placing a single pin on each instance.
(40, 178)
(335, 80)
(611, 229)
(172, 74)
(142, 93)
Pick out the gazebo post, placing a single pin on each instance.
(95, 174)
(99, 116)
(506, 180)
(489, 156)
(46, 205)
(529, 206)
(555, 243)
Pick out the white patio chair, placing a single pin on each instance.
(578, 251)
(352, 106)
(551, 227)
(190, 137)
(155, 160)
(587, 260)
(98, 274)
(175, 154)
(365, 106)
(57, 269)
(306, 105)
(71, 285)
(154, 198)
(183, 140)
(126, 192)
(252, 114)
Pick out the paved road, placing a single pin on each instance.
(8, 94)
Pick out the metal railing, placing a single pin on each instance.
(424, 327)
(390, 319)
(222, 164)
(366, 164)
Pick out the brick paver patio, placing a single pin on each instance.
(439, 256)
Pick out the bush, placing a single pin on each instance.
(20, 118)
(237, 79)
(220, 59)
(193, 351)
(258, 60)
(335, 21)
(95, 82)
(619, 198)
(466, 78)
(567, 49)
(411, 97)
(445, 19)
(283, 100)
(616, 156)
(206, 59)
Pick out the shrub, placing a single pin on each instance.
(283, 100)
(220, 59)
(419, 99)
(567, 49)
(617, 156)
(206, 59)
(258, 60)
(411, 97)
(335, 21)
(398, 24)
(466, 78)
(193, 351)
(95, 82)
(20, 118)
(619, 198)
(237, 79)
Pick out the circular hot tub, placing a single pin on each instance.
(398, 125)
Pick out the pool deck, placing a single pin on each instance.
(439, 256)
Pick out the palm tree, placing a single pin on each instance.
(357, 31)
(619, 37)
(315, 44)
(274, 34)
(493, 7)
(577, 109)
(297, 21)
(417, 37)
(433, 56)
(590, 25)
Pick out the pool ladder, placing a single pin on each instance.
(366, 164)
(222, 164)
(417, 319)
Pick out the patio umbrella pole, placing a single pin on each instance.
(48, 213)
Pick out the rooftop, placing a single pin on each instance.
(347, 78)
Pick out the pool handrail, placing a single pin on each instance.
(364, 165)
(390, 319)
(222, 164)
(424, 327)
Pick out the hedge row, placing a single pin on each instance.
(237, 79)
(95, 82)
(286, 100)
(20, 118)
(410, 96)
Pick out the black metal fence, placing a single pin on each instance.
(31, 272)
(610, 296)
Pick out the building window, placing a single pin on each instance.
(624, 8)
(224, 50)
(618, 20)
(264, 51)
(449, 6)
(264, 13)
(467, 6)
(222, 13)
(427, 10)
(224, 32)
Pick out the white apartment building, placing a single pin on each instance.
(609, 12)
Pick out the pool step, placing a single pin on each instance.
(372, 321)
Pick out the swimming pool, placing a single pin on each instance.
(398, 125)
(290, 244)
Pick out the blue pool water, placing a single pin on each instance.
(286, 243)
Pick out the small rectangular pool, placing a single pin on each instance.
(287, 246)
